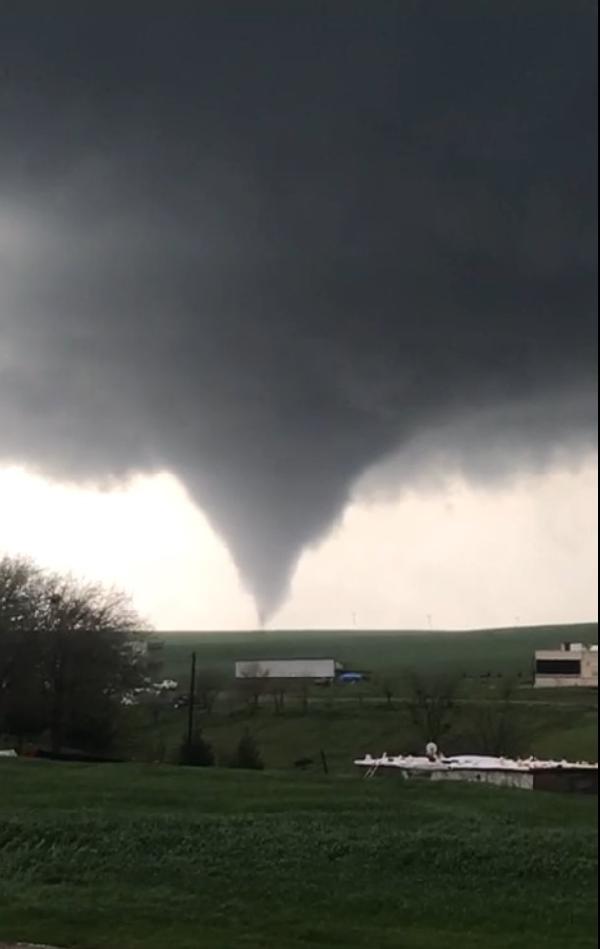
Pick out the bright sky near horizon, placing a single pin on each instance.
(454, 555)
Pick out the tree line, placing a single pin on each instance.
(69, 652)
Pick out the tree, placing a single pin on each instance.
(388, 689)
(90, 651)
(304, 693)
(75, 649)
(431, 704)
(253, 685)
(24, 713)
(278, 691)
(247, 754)
(197, 753)
(23, 704)
(499, 728)
(209, 685)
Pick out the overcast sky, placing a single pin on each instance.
(311, 288)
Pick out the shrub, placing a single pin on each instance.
(197, 753)
(247, 754)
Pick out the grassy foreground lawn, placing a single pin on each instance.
(143, 857)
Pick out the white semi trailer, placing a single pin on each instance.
(316, 669)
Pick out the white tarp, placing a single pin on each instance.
(466, 763)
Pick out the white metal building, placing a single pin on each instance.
(287, 669)
(574, 664)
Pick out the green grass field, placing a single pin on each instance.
(143, 857)
(345, 731)
(347, 721)
(383, 653)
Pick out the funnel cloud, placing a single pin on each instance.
(266, 250)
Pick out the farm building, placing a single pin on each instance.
(315, 669)
(530, 774)
(574, 664)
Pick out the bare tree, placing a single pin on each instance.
(278, 693)
(499, 728)
(304, 692)
(253, 685)
(388, 688)
(209, 685)
(431, 704)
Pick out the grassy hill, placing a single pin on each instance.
(347, 721)
(142, 857)
(505, 651)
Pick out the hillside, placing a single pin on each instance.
(507, 651)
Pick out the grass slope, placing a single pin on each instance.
(348, 734)
(132, 856)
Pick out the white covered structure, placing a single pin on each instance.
(527, 773)
(315, 669)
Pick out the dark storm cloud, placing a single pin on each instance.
(265, 249)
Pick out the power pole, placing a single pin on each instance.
(192, 698)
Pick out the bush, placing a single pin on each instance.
(198, 753)
(247, 754)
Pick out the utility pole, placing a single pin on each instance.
(192, 698)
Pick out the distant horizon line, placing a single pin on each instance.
(381, 629)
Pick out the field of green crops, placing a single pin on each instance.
(142, 857)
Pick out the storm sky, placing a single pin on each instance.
(292, 252)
